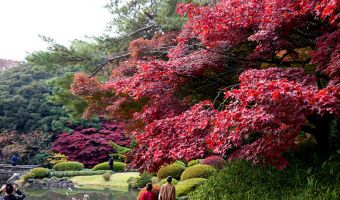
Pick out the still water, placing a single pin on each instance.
(75, 194)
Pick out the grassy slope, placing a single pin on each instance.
(118, 181)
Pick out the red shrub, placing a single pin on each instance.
(214, 161)
(90, 146)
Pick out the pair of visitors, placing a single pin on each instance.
(167, 192)
(9, 189)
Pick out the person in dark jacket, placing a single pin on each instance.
(8, 190)
(14, 159)
(111, 163)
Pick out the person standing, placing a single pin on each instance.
(111, 161)
(148, 194)
(14, 159)
(168, 191)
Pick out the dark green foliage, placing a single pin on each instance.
(307, 177)
(68, 166)
(118, 166)
(23, 104)
(198, 171)
(174, 170)
(136, 183)
(39, 172)
(181, 163)
(61, 174)
(184, 187)
(120, 151)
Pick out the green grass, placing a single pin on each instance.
(118, 181)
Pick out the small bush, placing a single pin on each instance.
(28, 176)
(117, 166)
(40, 172)
(174, 170)
(155, 189)
(68, 166)
(136, 183)
(61, 174)
(198, 171)
(163, 181)
(107, 176)
(193, 162)
(181, 163)
(55, 158)
(214, 161)
(184, 187)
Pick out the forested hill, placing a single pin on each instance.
(7, 64)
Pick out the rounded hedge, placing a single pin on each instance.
(68, 166)
(181, 163)
(39, 172)
(198, 171)
(28, 176)
(117, 166)
(193, 162)
(174, 170)
(214, 161)
(184, 187)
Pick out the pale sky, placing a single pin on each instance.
(21, 21)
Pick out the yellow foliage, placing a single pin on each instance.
(56, 158)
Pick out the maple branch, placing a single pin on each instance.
(106, 61)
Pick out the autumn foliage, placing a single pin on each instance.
(244, 79)
(91, 146)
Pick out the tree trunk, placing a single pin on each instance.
(321, 131)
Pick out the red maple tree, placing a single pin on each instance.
(277, 63)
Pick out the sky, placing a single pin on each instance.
(21, 21)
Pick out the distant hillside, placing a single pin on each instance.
(7, 64)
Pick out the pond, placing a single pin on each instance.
(75, 194)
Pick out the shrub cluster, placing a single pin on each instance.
(28, 176)
(184, 187)
(39, 172)
(136, 183)
(68, 166)
(214, 161)
(242, 180)
(174, 170)
(61, 174)
(117, 166)
(181, 163)
(198, 171)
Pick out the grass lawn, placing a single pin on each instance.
(118, 181)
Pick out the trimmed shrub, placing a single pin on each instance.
(181, 163)
(155, 189)
(61, 174)
(68, 166)
(107, 176)
(136, 183)
(163, 181)
(198, 171)
(174, 170)
(193, 162)
(28, 176)
(214, 161)
(117, 166)
(39, 172)
(184, 187)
